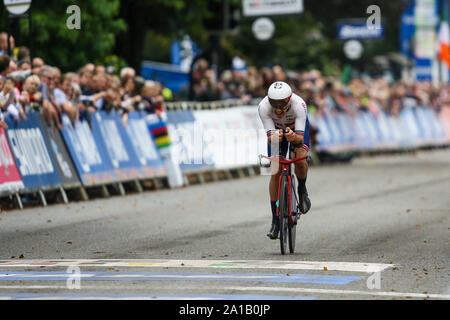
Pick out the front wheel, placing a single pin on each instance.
(283, 214)
(292, 234)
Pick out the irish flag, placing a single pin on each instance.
(444, 37)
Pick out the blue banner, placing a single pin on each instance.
(147, 154)
(31, 152)
(92, 163)
(407, 29)
(111, 137)
(415, 126)
(359, 31)
(172, 76)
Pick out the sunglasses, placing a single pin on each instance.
(279, 104)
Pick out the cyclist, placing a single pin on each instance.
(284, 116)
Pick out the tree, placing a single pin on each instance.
(71, 49)
(159, 20)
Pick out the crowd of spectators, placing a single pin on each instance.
(322, 94)
(28, 84)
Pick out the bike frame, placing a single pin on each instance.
(285, 171)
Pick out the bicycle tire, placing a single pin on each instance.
(292, 231)
(292, 226)
(283, 214)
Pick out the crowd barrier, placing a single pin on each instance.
(36, 158)
(415, 127)
(190, 139)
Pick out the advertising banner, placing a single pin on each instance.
(186, 136)
(230, 136)
(359, 31)
(270, 7)
(111, 136)
(172, 76)
(92, 163)
(10, 180)
(148, 157)
(57, 147)
(31, 152)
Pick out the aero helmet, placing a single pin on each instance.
(279, 94)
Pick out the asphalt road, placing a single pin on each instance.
(378, 229)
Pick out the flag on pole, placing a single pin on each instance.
(444, 36)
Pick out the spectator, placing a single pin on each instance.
(85, 77)
(38, 63)
(131, 93)
(204, 82)
(127, 72)
(24, 65)
(8, 101)
(62, 93)
(30, 98)
(152, 99)
(4, 43)
(4, 65)
(50, 107)
(24, 54)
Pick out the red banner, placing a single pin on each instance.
(10, 179)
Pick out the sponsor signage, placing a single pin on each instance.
(263, 29)
(91, 162)
(10, 180)
(63, 161)
(271, 7)
(186, 136)
(17, 6)
(353, 49)
(359, 31)
(33, 159)
(147, 155)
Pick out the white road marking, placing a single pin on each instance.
(259, 289)
(334, 291)
(228, 264)
(22, 275)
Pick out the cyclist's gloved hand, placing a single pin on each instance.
(290, 135)
(279, 134)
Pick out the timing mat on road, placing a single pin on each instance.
(228, 264)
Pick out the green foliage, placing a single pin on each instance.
(134, 30)
(70, 49)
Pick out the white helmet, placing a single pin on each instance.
(279, 94)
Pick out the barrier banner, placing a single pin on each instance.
(444, 119)
(111, 136)
(159, 131)
(149, 159)
(230, 136)
(387, 138)
(31, 152)
(186, 137)
(63, 161)
(259, 139)
(91, 161)
(415, 126)
(10, 180)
